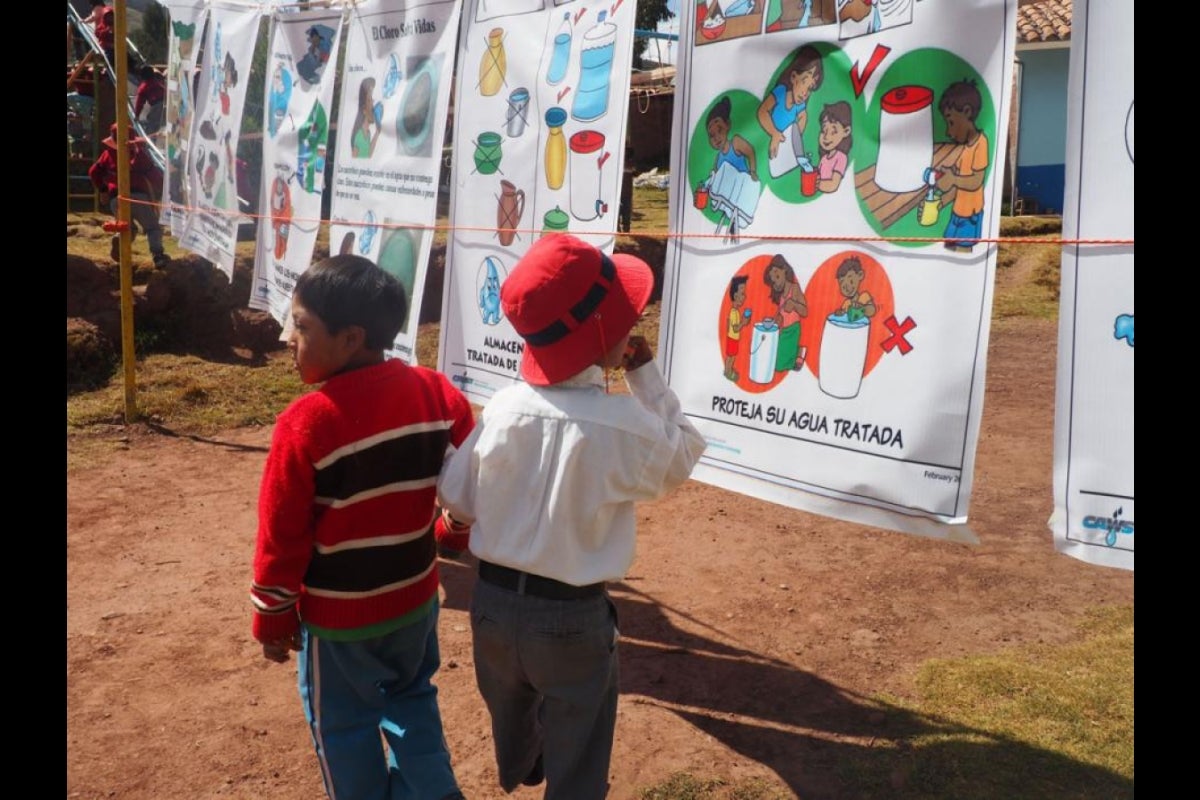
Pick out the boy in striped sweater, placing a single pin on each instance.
(345, 565)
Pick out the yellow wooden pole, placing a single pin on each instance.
(128, 356)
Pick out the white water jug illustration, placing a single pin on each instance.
(843, 355)
(764, 347)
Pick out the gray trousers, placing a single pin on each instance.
(547, 670)
(146, 217)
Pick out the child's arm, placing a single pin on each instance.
(743, 147)
(452, 528)
(764, 119)
(284, 542)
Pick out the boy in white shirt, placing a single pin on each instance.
(548, 482)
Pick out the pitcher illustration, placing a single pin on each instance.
(510, 205)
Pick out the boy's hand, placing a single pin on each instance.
(637, 353)
(277, 651)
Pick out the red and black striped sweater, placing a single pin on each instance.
(347, 539)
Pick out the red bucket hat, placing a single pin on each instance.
(571, 303)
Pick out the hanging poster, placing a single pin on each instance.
(539, 140)
(183, 45)
(210, 230)
(300, 74)
(836, 189)
(395, 98)
(1093, 424)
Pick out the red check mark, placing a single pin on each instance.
(860, 79)
(563, 93)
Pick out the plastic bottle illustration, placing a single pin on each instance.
(494, 64)
(561, 53)
(595, 70)
(556, 148)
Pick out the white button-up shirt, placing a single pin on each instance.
(549, 476)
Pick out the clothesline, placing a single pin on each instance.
(660, 234)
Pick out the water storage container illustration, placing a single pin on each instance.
(843, 355)
(905, 139)
(561, 53)
(595, 70)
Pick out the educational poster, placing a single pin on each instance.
(301, 65)
(210, 230)
(395, 98)
(539, 139)
(187, 19)
(836, 189)
(1093, 422)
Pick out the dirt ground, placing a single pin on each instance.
(753, 636)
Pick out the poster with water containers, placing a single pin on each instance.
(836, 180)
(539, 137)
(1093, 518)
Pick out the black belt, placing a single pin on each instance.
(536, 585)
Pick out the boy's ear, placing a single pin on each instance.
(354, 337)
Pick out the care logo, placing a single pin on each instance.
(1111, 526)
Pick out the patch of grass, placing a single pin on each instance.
(192, 395)
(650, 210)
(1031, 287)
(1030, 226)
(685, 786)
(1051, 722)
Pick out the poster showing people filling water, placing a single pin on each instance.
(835, 195)
(539, 135)
(210, 229)
(1093, 517)
(395, 97)
(301, 63)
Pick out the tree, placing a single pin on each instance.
(152, 37)
(649, 14)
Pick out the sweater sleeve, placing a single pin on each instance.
(285, 536)
(452, 532)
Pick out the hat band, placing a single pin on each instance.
(578, 312)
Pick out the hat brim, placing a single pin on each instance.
(616, 315)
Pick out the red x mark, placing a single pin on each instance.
(898, 330)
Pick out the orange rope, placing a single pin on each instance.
(649, 234)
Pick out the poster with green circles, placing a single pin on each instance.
(837, 183)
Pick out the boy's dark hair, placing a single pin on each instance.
(721, 111)
(851, 264)
(348, 290)
(962, 96)
(738, 280)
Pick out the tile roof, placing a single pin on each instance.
(1045, 21)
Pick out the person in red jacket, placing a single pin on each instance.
(150, 96)
(103, 26)
(345, 565)
(145, 190)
